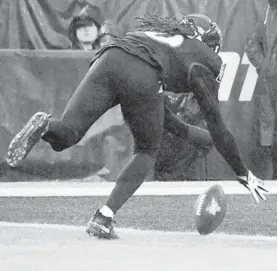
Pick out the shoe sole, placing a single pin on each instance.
(25, 140)
(97, 230)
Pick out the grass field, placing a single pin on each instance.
(47, 233)
(168, 213)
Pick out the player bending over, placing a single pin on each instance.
(159, 54)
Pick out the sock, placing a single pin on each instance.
(106, 211)
(130, 179)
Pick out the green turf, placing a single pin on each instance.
(170, 213)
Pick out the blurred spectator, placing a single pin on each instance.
(261, 49)
(89, 31)
(85, 28)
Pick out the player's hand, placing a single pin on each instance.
(254, 185)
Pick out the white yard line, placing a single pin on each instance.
(63, 227)
(72, 189)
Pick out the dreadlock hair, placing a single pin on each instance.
(168, 26)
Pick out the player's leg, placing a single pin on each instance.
(143, 110)
(93, 97)
(205, 89)
(132, 175)
(145, 118)
(196, 136)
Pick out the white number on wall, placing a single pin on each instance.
(231, 60)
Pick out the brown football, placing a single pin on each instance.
(210, 210)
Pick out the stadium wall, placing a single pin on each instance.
(34, 77)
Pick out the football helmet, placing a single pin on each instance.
(205, 29)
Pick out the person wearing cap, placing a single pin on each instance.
(85, 28)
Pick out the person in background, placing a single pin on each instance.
(85, 28)
(261, 49)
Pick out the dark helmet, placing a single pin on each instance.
(205, 29)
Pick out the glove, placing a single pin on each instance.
(254, 185)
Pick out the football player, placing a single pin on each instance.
(158, 54)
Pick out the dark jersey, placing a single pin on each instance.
(171, 55)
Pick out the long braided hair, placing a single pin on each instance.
(168, 26)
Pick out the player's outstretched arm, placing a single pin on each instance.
(206, 92)
(226, 145)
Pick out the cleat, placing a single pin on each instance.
(25, 140)
(101, 227)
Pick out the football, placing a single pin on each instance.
(210, 209)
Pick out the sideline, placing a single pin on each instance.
(79, 189)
